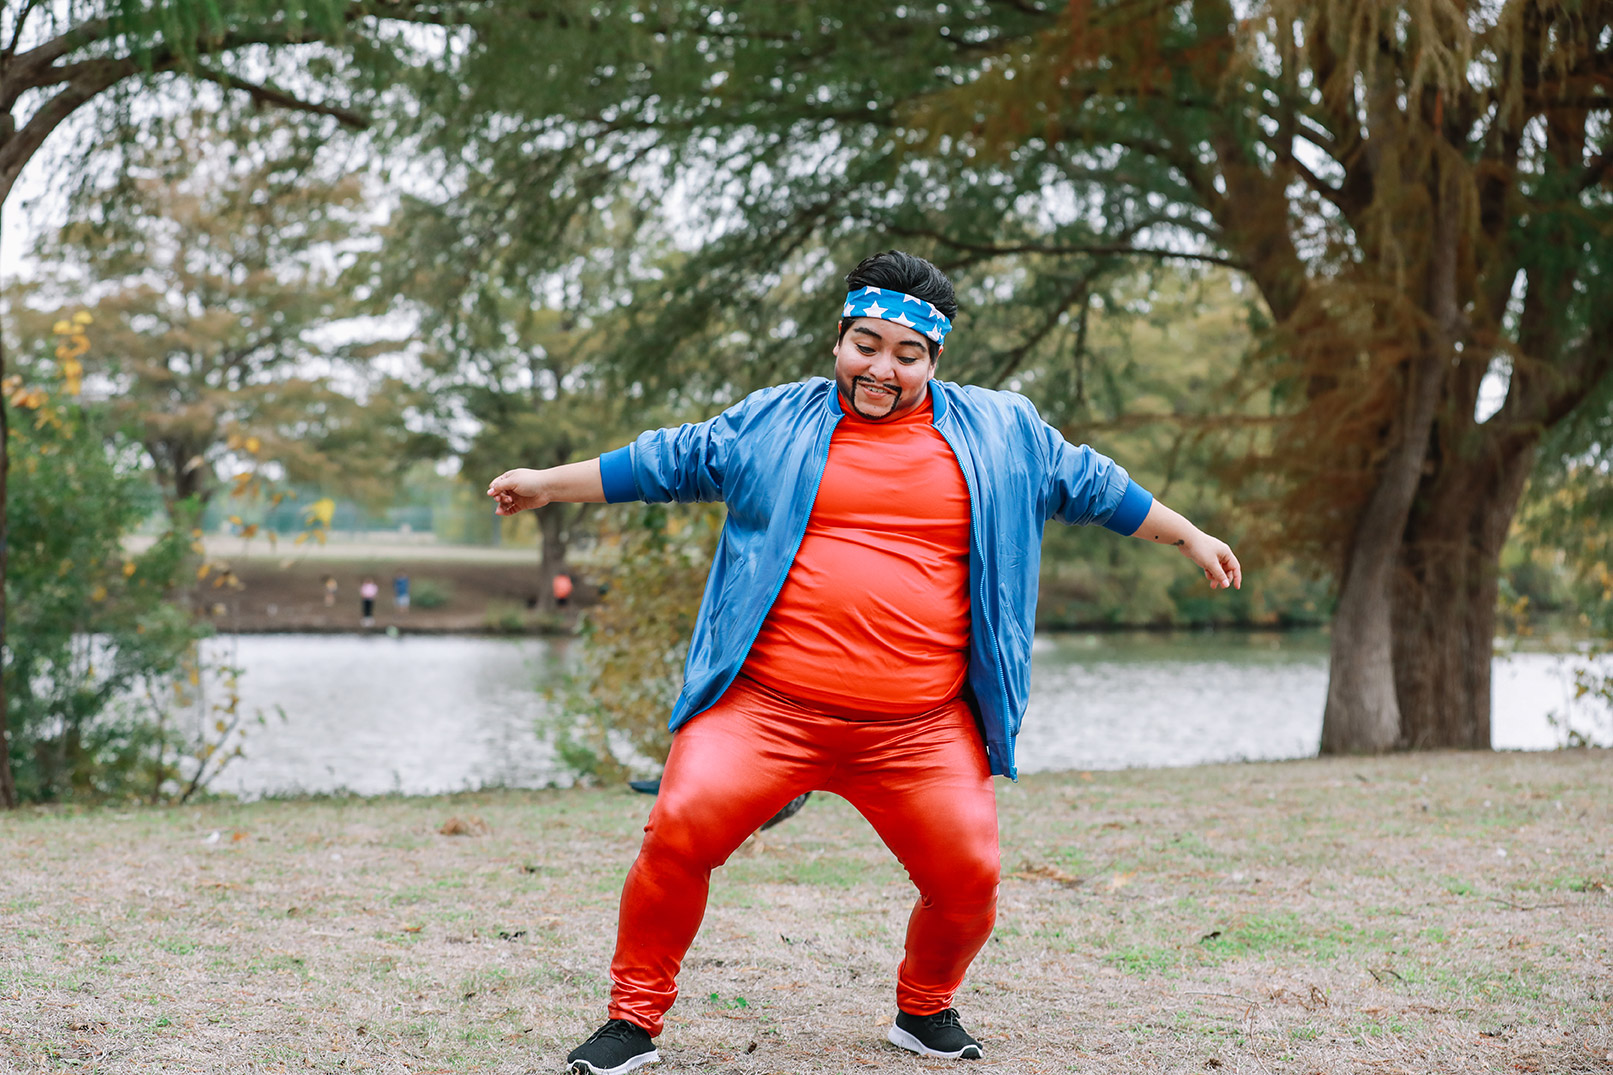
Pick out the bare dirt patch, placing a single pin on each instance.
(1431, 913)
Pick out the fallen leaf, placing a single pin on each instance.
(470, 825)
(1029, 871)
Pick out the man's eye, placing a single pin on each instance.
(865, 350)
(907, 360)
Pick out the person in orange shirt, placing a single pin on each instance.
(888, 662)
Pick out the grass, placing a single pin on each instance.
(1326, 916)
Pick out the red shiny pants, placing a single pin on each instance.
(921, 781)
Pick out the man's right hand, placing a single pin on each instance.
(519, 490)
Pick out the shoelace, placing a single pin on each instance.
(620, 1029)
(946, 1017)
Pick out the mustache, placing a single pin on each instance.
(871, 383)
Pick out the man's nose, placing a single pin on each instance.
(883, 366)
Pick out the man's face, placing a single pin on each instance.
(882, 368)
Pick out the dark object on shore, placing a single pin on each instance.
(791, 808)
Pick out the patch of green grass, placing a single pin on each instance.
(830, 871)
(1142, 961)
(1456, 886)
(1280, 933)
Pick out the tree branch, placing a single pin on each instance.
(16, 29)
(1063, 250)
(267, 95)
(1596, 171)
(1012, 358)
(17, 150)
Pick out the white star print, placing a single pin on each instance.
(871, 290)
(875, 310)
(901, 319)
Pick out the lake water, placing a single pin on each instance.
(425, 715)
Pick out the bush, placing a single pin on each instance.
(609, 716)
(504, 617)
(430, 593)
(87, 626)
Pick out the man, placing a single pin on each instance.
(866, 630)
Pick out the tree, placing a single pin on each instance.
(88, 622)
(529, 355)
(217, 256)
(1419, 194)
(57, 58)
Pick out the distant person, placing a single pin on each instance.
(400, 591)
(562, 589)
(366, 599)
(330, 590)
(866, 630)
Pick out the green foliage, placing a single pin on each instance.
(609, 716)
(504, 617)
(430, 593)
(218, 255)
(87, 626)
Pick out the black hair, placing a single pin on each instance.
(897, 270)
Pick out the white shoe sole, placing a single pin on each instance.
(583, 1067)
(903, 1039)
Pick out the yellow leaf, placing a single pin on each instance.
(233, 441)
(320, 512)
(98, 594)
(202, 572)
(302, 537)
(253, 444)
(128, 568)
(62, 328)
(219, 725)
(250, 531)
(235, 520)
(83, 318)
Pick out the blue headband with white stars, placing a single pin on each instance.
(899, 308)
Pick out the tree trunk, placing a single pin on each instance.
(1363, 715)
(1363, 712)
(553, 539)
(1445, 597)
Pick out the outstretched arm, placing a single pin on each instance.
(516, 491)
(1213, 555)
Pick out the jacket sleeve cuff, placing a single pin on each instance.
(616, 474)
(1132, 509)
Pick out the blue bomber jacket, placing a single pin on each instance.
(763, 458)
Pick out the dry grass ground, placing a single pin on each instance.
(1445, 913)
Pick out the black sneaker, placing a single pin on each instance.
(935, 1035)
(616, 1047)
